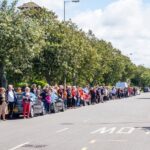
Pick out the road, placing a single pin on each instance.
(115, 125)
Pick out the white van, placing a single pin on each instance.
(121, 85)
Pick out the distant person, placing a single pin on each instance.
(113, 92)
(64, 97)
(69, 97)
(11, 99)
(3, 104)
(27, 98)
(93, 95)
(19, 90)
(43, 96)
(34, 89)
(48, 100)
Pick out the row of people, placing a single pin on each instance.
(71, 95)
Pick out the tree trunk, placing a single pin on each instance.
(74, 79)
(3, 80)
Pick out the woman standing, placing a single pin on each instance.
(3, 104)
(27, 98)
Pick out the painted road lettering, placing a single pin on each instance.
(115, 130)
(104, 130)
(126, 130)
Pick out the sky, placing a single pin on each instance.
(124, 23)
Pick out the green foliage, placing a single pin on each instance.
(21, 40)
(42, 83)
(21, 84)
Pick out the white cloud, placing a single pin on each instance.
(125, 23)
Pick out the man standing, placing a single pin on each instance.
(11, 99)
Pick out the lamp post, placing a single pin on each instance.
(65, 2)
(73, 1)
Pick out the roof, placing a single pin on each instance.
(29, 5)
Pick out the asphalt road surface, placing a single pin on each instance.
(115, 125)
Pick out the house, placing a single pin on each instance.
(29, 5)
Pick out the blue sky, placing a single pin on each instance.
(125, 23)
(86, 5)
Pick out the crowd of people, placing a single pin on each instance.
(72, 97)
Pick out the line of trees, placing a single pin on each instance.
(35, 45)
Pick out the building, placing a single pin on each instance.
(29, 5)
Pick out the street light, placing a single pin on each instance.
(73, 1)
(67, 1)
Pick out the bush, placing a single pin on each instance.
(42, 83)
(21, 84)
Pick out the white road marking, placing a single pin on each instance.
(148, 132)
(19, 146)
(84, 148)
(62, 130)
(126, 130)
(92, 141)
(104, 130)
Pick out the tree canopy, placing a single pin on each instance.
(36, 45)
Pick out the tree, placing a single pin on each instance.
(21, 39)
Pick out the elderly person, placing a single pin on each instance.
(27, 98)
(11, 99)
(3, 104)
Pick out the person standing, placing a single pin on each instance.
(3, 104)
(65, 97)
(93, 95)
(34, 89)
(11, 99)
(113, 92)
(43, 96)
(48, 100)
(74, 97)
(27, 98)
(69, 97)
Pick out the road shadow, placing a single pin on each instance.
(67, 123)
(146, 129)
(143, 98)
(113, 123)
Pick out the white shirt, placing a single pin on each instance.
(11, 97)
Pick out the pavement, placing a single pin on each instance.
(115, 125)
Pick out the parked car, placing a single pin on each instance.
(57, 104)
(121, 85)
(37, 107)
(146, 89)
